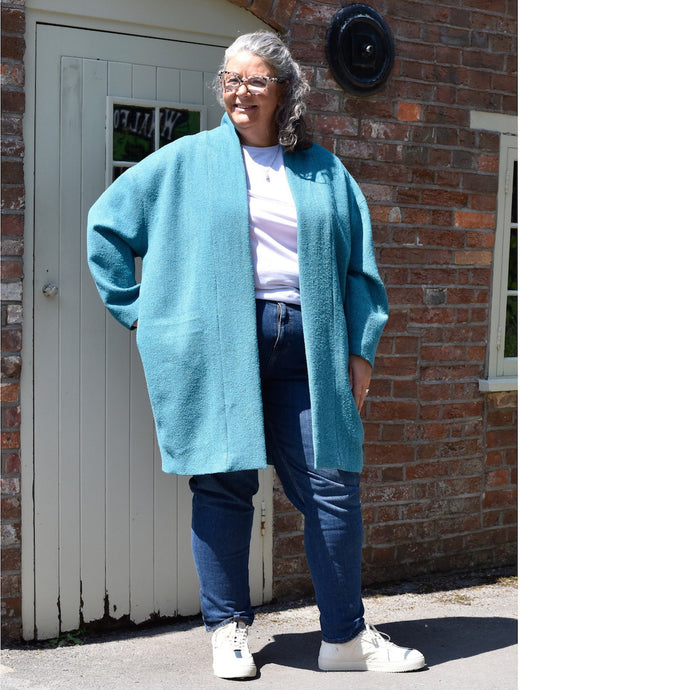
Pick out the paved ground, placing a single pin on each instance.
(465, 626)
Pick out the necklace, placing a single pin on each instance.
(270, 165)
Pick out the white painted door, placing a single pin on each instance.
(111, 531)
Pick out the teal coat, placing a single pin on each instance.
(184, 211)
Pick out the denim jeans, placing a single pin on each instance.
(329, 499)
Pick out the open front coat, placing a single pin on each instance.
(184, 210)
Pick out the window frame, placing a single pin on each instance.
(142, 103)
(501, 373)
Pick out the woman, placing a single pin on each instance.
(258, 315)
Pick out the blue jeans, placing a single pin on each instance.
(222, 511)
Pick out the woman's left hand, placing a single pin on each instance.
(360, 377)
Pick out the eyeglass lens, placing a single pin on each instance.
(232, 82)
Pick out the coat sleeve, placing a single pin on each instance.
(366, 304)
(115, 235)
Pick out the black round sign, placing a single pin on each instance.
(360, 51)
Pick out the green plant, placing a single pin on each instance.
(69, 639)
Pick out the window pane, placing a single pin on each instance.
(513, 260)
(510, 347)
(176, 123)
(134, 131)
(118, 170)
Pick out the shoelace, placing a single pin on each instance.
(236, 636)
(239, 637)
(376, 637)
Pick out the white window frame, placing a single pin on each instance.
(502, 371)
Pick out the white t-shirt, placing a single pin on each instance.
(273, 225)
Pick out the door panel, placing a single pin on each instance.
(111, 530)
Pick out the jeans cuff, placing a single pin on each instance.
(346, 639)
(247, 618)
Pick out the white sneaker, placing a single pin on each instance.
(231, 655)
(369, 651)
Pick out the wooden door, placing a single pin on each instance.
(111, 530)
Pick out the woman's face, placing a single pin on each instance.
(253, 115)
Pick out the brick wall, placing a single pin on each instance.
(439, 485)
(11, 295)
(440, 479)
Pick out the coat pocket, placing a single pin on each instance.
(185, 386)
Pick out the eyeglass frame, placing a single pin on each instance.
(243, 82)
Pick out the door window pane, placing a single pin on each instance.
(178, 123)
(134, 132)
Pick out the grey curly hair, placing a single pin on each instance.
(290, 122)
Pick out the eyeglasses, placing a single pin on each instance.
(256, 84)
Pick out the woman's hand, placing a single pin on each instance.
(360, 376)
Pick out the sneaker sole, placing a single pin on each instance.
(387, 667)
(248, 671)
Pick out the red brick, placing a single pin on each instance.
(12, 102)
(405, 345)
(9, 392)
(498, 478)
(410, 112)
(406, 295)
(463, 409)
(10, 439)
(11, 534)
(11, 585)
(12, 46)
(474, 219)
(12, 74)
(502, 399)
(480, 240)
(13, 21)
(10, 508)
(500, 498)
(11, 268)
(283, 13)
(355, 149)
(396, 366)
(11, 418)
(501, 438)
(382, 555)
(447, 178)
(11, 366)
(473, 258)
(390, 453)
(417, 216)
(336, 124)
(421, 257)
(13, 464)
(11, 559)
(405, 388)
(502, 417)
(504, 82)
(12, 225)
(392, 432)
(13, 198)
(11, 340)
